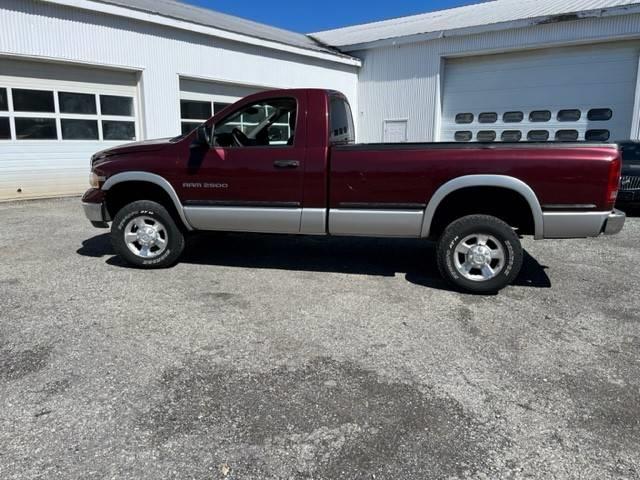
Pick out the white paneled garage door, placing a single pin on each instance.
(53, 118)
(566, 94)
(200, 100)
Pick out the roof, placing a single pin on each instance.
(490, 15)
(210, 18)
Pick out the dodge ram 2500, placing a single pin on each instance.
(286, 162)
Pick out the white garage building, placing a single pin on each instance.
(77, 76)
(505, 69)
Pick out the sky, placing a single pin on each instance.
(312, 16)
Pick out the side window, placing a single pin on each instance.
(540, 116)
(512, 117)
(463, 118)
(511, 136)
(463, 136)
(270, 122)
(340, 121)
(488, 117)
(600, 114)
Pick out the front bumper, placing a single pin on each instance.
(95, 209)
(615, 222)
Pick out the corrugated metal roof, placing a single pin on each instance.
(211, 18)
(481, 14)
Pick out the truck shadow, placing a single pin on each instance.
(362, 256)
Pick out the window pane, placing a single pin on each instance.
(36, 129)
(567, 135)
(278, 135)
(511, 136)
(486, 136)
(488, 117)
(464, 118)
(218, 107)
(32, 101)
(77, 103)
(463, 136)
(112, 130)
(540, 116)
(597, 135)
(5, 130)
(341, 121)
(188, 127)
(600, 114)
(513, 117)
(255, 114)
(195, 110)
(538, 135)
(79, 129)
(4, 103)
(569, 115)
(114, 105)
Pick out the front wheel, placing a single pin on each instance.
(145, 235)
(479, 254)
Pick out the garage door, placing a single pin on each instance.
(567, 94)
(199, 100)
(53, 118)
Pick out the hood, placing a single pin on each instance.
(135, 147)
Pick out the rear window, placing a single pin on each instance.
(340, 121)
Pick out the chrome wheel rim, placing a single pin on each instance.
(479, 257)
(146, 237)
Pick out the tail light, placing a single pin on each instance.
(615, 170)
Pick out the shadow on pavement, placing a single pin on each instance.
(361, 256)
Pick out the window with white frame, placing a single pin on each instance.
(50, 114)
(5, 127)
(195, 112)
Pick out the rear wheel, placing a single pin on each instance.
(145, 235)
(479, 254)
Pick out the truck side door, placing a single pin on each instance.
(252, 178)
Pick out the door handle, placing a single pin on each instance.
(286, 164)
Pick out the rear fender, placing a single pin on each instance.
(500, 181)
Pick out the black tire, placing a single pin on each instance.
(501, 236)
(153, 214)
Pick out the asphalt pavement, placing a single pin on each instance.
(269, 357)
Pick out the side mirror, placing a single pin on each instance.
(202, 138)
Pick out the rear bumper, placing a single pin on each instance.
(615, 222)
(582, 224)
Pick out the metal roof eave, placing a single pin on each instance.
(490, 27)
(154, 18)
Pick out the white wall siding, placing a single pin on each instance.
(161, 53)
(158, 55)
(403, 81)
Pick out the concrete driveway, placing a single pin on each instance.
(263, 357)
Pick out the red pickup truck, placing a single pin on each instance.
(286, 162)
